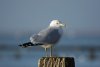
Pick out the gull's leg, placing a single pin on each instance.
(51, 51)
(46, 52)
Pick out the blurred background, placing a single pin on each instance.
(20, 19)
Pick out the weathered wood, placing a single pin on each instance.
(56, 62)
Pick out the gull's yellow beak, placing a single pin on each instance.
(63, 25)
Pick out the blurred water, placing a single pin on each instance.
(85, 50)
(29, 58)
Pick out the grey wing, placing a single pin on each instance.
(49, 35)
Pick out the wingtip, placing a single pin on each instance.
(22, 46)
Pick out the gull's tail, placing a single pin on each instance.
(28, 44)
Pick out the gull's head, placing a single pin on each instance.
(56, 23)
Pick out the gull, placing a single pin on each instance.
(47, 37)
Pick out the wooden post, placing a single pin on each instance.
(56, 62)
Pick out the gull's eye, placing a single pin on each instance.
(57, 23)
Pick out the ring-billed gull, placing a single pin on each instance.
(47, 37)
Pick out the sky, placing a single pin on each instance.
(20, 16)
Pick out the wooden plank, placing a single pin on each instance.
(56, 62)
